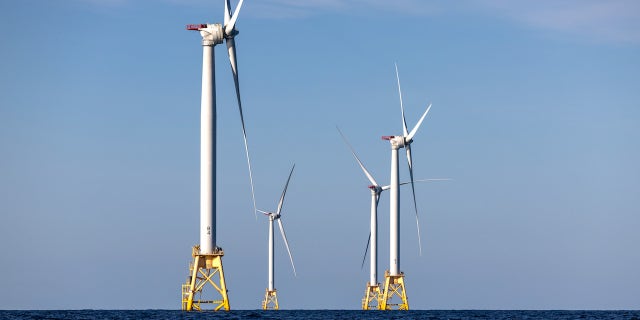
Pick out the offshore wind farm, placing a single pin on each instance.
(206, 269)
(115, 173)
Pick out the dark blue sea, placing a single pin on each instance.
(319, 314)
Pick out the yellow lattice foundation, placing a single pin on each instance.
(395, 295)
(270, 301)
(371, 300)
(205, 269)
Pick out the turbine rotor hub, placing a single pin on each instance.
(231, 34)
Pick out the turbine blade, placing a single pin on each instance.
(284, 191)
(404, 122)
(227, 12)
(413, 190)
(424, 180)
(231, 47)
(419, 180)
(263, 212)
(364, 257)
(286, 243)
(366, 172)
(415, 129)
(228, 27)
(369, 239)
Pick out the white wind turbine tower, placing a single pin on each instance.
(394, 278)
(207, 257)
(271, 299)
(371, 300)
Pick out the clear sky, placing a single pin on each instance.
(535, 117)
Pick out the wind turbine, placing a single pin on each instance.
(271, 299)
(372, 297)
(207, 257)
(394, 278)
(372, 293)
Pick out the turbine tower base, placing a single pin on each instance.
(394, 287)
(205, 269)
(372, 297)
(270, 301)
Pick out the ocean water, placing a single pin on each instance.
(320, 314)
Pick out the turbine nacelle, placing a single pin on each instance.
(212, 34)
(398, 142)
(271, 215)
(376, 189)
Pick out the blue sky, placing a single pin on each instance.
(535, 116)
